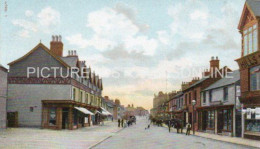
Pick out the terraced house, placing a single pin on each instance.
(49, 90)
(220, 108)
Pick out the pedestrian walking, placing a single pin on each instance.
(118, 122)
(169, 126)
(122, 123)
(188, 129)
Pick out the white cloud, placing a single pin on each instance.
(28, 13)
(48, 17)
(77, 40)
(193, 28)
(113, 27)
(23, 33)
(26, 25)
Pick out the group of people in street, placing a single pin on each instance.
(126, 122)
(188, 126)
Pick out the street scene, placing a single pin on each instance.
(157, 74)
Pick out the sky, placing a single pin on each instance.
(138, 47)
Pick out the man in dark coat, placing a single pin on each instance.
(188, 129)
(122, 123)
(118, 122)
(169, 125)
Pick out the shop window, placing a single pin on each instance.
(250, 40)
(211, 119)
(253, 125)
(225, 94)
(52, 117)
(255, 78)
(227, 114)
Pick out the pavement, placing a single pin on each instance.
(33, 138)
(159, 138)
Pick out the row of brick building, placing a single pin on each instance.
(229, 104)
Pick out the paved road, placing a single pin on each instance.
(136, 137)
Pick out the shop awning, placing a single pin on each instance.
(84, 110)
(105, 112)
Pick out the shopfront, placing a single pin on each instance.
(65, 115)
(216, 119)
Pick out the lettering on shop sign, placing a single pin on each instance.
(249, 61)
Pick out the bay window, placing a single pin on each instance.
(255, 78)
(250, 40)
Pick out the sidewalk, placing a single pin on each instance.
(234, 140)
(31, 138)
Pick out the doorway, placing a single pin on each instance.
(65, 118)
(220, 123)
(204, 120)
(12, 119)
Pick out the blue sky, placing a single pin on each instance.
(131, 44)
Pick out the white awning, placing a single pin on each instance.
(105, 112)
(84, 110)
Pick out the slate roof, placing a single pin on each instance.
(255, 6)
(71, 61)
(178, 94)
(235, 76)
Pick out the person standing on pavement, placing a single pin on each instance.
(118, 122)
(122, 123)
(169, 125)
(188, 129)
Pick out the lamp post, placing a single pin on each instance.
(193, 104)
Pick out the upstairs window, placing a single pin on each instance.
(225, 93)
(204, 97)
(255, 78)
(250, 40)
(74, 94)
(210, 96)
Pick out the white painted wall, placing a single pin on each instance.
(217, 95)
(23, 96)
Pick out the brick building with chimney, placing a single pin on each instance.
(53, 99)
(249, 66)
(193, 92)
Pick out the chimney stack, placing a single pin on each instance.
(214, 64)
(56, 45)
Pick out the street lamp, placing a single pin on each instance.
(193, 104)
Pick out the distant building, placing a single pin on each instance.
(3, 96)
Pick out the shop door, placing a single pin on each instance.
(65, 118)
(220, 121)
(204, 120)
(238, 125)
(184, 119)
(12, 119)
